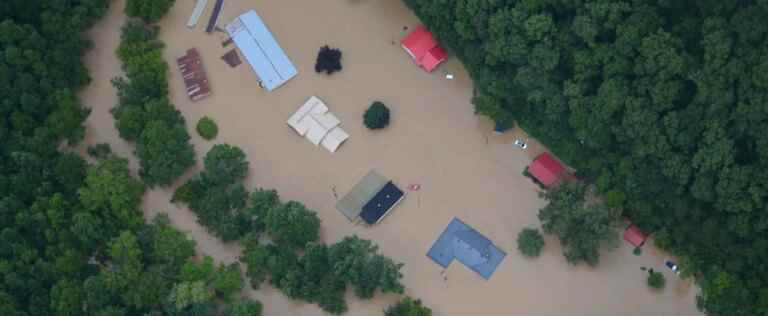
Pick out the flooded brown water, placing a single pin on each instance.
(434, 140)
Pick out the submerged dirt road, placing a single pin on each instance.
(434, 140)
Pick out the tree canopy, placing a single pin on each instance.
(72, 237)
(583, 226)
(408, 307)
(661, 104)
(143, 113)
(148, 10)
(217, 194)
(376, 116)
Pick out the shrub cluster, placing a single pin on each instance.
(328, 60)
(207, 128)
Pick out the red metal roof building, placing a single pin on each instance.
(546, 170)
(423, 48)
(635, 236)
(195, 79)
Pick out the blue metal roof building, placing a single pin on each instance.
(261, 50)
(465, 244)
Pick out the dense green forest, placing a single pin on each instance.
(661, 104)
(72, 237)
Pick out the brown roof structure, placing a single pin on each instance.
(195, 80)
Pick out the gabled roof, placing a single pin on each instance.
(635, 236)
(546, 169)
(434, 57)
(351, 205)
(195, 79)
(423, 48)
(261, 50)
(383, 202)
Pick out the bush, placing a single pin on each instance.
(328, 60)
(207, 128)
(530, 242)
(377, 116)
(656, 280)
(408, 307)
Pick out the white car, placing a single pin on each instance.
(519, 143)
(672, 266)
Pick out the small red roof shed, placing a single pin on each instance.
(635, 236)
(423, 48)
(546, 169)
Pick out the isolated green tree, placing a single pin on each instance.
(376, 116)
(207, 128)
(656, 280)
(530, 242)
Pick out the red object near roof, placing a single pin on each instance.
(546, 169)
(635, 236)
(423, 48)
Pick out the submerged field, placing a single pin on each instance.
(464, 169)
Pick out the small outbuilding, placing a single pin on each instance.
(423, 48)
(193, 74)
(635, 236)
(381, 203)
(547, 170)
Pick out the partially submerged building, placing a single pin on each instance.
(461, 242)
(195, 79)
(261, 50)
(423, 48)
(371, 199)
(635, 236)
(547, 170)
(318, 125)
(214, 19)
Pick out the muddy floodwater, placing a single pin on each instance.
(464, 170)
